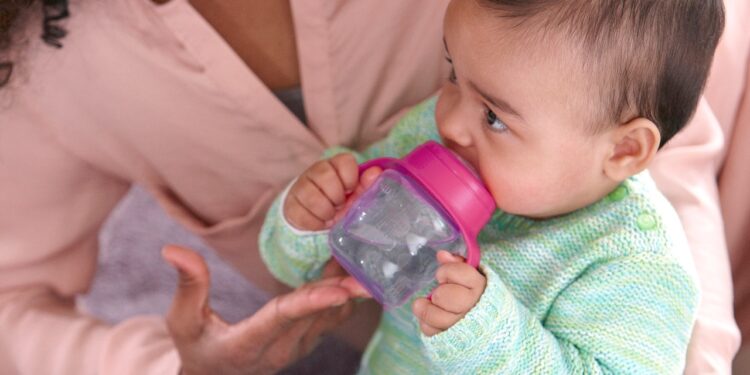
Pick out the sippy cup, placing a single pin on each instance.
(430, 200)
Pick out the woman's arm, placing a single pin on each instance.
(51, 207)
(685, 171)
(43, 333)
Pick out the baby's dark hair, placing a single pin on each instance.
(652, 57)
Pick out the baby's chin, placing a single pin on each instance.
(516, 210)
(534, 212)
(543, 204)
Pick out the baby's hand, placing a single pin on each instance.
(460, 287)
(323, 193)
(320, 191)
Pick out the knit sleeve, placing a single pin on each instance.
(295, 257)
(622, 317)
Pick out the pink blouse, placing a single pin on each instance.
(152, 95)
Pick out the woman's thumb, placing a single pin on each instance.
(190, 304)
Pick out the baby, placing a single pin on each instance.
(560, 107)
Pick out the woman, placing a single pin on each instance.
(202, 132)
(179, 98)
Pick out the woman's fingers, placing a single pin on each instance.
(355, 288)
(332, 269)
(282, 312)
(189, 311)
(324, 322)
(334, 273)
(279, 333)
(289, 345)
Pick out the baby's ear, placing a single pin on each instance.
(634, 145)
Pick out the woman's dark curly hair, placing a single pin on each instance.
(11, 15)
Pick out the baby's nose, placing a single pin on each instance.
(455, 130)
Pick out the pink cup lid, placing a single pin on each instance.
(452, 183)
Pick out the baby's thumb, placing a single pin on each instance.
(445, 257)
(365, 181)
(369, 176)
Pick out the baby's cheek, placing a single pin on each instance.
(530, 187)
(519, 196)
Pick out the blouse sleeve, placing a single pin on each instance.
(52, 205)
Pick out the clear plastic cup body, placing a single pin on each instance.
(390, 236)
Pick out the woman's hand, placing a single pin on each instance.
(282, 331)
(460, 287)
(323, 193)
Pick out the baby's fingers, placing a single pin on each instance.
(314, 200)
(454, 298)
(461, 274)
(364, 183)
(369, 176)
(432, 315)
(347, 169)
(429, 330)
(445, 257)
(299, 216)
(325, 178)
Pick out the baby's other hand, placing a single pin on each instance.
(460, 287)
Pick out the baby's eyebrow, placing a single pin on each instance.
(499, 103)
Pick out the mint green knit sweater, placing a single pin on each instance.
(609, 288)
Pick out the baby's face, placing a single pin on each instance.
(520, 114)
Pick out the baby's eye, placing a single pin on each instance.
(452, 76)
(494, 123)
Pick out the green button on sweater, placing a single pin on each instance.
(609, 288)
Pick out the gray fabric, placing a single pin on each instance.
(132, 279)
(293, 100)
